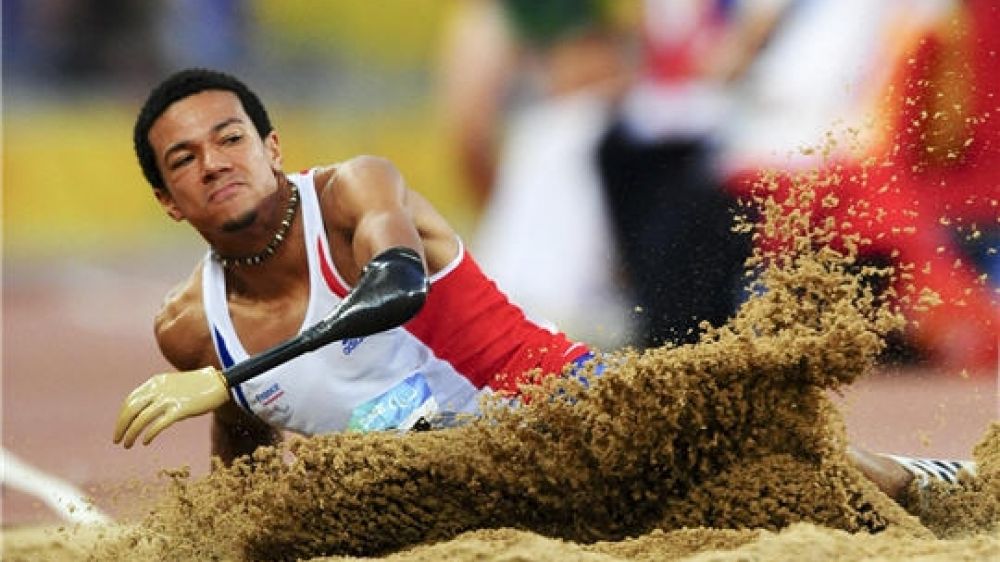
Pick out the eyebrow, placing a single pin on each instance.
(181, 145)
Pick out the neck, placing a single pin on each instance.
(278, 230)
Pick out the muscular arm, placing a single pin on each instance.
(367, 208)
(182, 334)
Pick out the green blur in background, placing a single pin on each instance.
(339, 78)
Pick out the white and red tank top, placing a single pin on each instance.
(467, 339)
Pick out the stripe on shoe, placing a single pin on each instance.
(939, 469)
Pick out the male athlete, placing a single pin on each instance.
(343, 261)
(285, 250)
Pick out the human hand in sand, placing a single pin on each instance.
(168, 398)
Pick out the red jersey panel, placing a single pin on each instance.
(470, 323)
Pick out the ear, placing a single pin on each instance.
(273, 149)
(167, 202)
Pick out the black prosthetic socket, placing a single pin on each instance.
(391, 290)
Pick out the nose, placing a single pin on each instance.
(214, 162)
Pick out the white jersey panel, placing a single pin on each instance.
(377, 382)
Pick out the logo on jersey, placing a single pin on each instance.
(397, 408)
(269, 395)
(350, 344)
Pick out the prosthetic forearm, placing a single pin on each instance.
(391, 290)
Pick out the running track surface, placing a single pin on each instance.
(77, 338)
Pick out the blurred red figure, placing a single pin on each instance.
(948, 135)
(928, 194)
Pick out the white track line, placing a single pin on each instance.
(60, 495)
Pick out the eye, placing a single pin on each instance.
(180, 161)
(232, 138)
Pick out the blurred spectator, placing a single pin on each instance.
(943, 147)
(208, 33)
(80, 43)
(543, 232)
(670, 213)
(101, 46)
(932, 189)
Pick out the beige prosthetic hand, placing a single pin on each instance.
(391, 290)
(167, 398)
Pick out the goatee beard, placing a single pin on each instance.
(240, 223)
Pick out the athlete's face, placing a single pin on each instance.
(216, 168)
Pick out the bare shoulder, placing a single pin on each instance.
(359, 171)
(359, 183)
(181, 328)
(371, 191)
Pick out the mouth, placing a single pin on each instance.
(224, 192)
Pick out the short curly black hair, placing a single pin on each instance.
(179, 86)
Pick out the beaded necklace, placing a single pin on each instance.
(272, 246)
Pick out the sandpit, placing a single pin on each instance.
(729, 449)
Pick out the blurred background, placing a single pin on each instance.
(590, 152)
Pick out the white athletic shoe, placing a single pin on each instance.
(925, 470)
